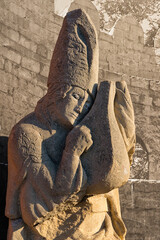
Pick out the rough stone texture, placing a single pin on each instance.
(67, 159)
(40, 27)
(140, 204)
(112, 137)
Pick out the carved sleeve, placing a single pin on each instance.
(71, 177)
(125, 117)
(23, 148)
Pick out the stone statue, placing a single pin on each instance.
(68, 157)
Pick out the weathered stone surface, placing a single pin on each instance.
(31, 65)
(142, 216)
(41, 12)
(67, 151)
(106, 131)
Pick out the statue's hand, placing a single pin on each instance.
(78, 140)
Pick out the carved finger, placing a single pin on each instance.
(90, 142)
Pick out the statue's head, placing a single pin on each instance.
(73, 75)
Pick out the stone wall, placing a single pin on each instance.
(140, 205)
(29, 30)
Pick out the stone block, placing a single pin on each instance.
(10, 33)
(139, 186)
(52, 27)
(27, 43)
(6, 78)
(146, 72)
(157, 51)
(128, 43)
(49, 55)
(135, 97)
(17, 10)
(145, 57)
(23, 84)
(44, 70)
(8, 121)
(138, 109)
(151, 237)
(20, 99)
(33, 101)
(135, 226)
(4, 88)
(24, 74)
(138, 47)
(158, 59)
(35, 90)
(41, 81)
(147, 203)
(147, 111)
(105, 37)
(31, 64)
(8, 100)
(155, 85)
(141, 39)
(85, 3)
(130, 20)
(102, 57)
(11, 55)
(136, 32)
(17, 22)
(36, 18)
(1, 62)
(130, 215)
(146, 100)
(153, 186)
(8, 66)
(139, 82)
(135, 236)
(15, 81)
(118, 37)
(122, 25)
(105, 46)
(157, 40)
(36, 29)
(42, 50)
(153, 165)
(126, 196)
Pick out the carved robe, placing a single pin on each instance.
(47, 195)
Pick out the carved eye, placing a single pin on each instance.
(76, 96)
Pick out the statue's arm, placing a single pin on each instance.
(70, 173)
(24, 147)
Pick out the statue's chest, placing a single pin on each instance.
(54, 145)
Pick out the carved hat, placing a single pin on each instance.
(75, 57)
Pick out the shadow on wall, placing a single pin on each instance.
(3, 186)
(140, 165)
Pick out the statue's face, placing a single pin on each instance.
(73, 107)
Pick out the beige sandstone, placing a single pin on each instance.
(69, 156)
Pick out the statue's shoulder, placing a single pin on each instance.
(26, 128)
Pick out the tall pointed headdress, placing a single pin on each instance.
(75, 57)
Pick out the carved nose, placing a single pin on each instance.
(78, 109)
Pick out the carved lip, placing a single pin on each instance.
(74, 115)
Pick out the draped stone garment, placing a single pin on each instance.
(46, 196)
